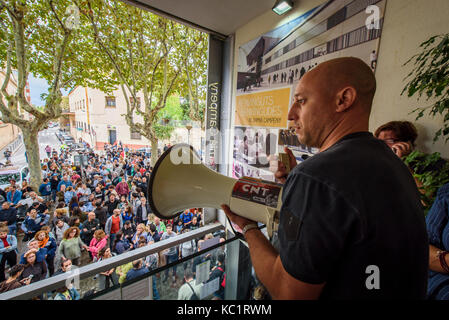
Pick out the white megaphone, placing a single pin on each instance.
(179, 181)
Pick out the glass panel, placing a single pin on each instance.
(205, 274)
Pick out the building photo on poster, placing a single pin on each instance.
(270, 67)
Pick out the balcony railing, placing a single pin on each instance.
(45, 286)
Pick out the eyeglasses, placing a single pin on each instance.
(391, 141)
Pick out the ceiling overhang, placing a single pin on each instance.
(219, 17)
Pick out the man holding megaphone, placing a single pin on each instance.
(351, 223)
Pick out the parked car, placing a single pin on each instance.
(79, 147)
(68, 138)
(16, 173)
(145, 151)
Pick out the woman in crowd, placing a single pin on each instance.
(75, 222)
(400, 136)
(13, 281)
(47, 242)
(25, 189)
(60, 195)
(127, 214)
(123, 203)
(98, 242)
(140, 232)
(121, 244)
(65, 293)
(73, 203)
(110, 277)
(59, 214)
(71, 246)
(77, 212)
(68, 196)
(8, 250)
(33, 270)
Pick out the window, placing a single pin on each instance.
(110, 102)
(135, 135)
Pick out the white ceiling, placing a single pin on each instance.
(221, 16)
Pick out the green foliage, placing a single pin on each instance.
(186, 108)
(173, 110)
(431, 171)
(430, 78)
(150, 55)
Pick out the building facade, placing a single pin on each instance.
(99, 118)
(9, 132)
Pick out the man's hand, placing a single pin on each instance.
(279, 169)
(236, 219)
(402, 149)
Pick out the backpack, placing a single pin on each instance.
(223, 277)
(194, 296)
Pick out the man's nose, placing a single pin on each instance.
(292, 115)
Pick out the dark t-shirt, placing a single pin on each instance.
(351, 207)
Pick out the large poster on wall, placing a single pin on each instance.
(270, 66)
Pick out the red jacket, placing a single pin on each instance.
(122, 188)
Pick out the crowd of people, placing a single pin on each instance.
(87, 214)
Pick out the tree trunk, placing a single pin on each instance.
(32, 149)
(154, 151)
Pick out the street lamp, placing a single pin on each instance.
(188, 127)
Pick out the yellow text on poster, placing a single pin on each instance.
(263, 109)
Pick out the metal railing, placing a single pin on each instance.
(55, 282)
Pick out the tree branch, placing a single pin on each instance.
(57, 17)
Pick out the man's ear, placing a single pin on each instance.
(345, 99)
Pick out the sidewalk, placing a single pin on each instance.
(13, 146)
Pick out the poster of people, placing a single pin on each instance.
(270, 66)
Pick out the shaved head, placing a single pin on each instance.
(334, 75)
(333, 100)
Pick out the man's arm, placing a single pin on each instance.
(269, 269)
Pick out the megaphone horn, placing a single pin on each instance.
(179, 181)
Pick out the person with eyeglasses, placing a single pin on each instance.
(400, 136)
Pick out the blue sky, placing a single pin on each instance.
(37, 87)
